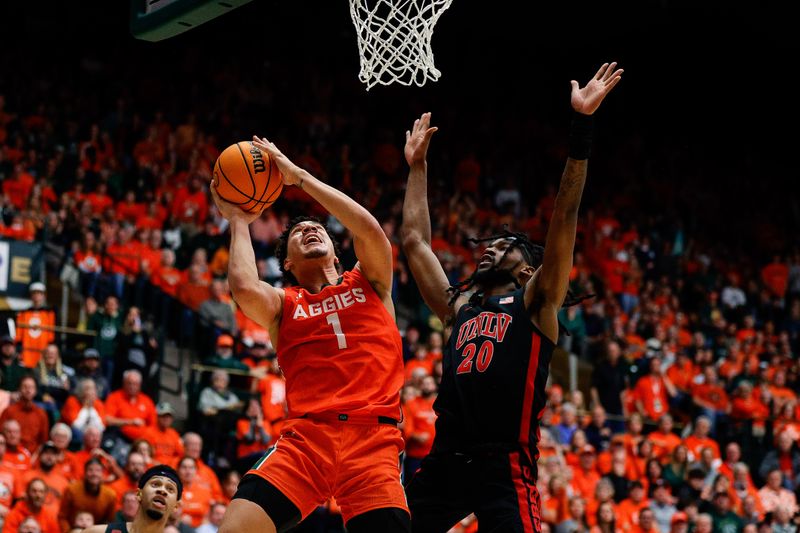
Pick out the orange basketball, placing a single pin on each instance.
(247, 177)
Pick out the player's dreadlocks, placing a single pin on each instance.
(281, 251)
(532, 253)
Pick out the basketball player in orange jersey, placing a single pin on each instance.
(502, 327)
(341, 354)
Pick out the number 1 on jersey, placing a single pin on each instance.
(333, 320)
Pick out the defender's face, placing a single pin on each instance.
(308, 240)
(159, 494)
(494, 253)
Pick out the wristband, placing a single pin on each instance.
(580, 136)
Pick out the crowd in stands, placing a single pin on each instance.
(690, 421)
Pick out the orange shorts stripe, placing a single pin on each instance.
(358, 465)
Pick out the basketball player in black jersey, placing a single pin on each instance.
(502, 327)
(160, 490)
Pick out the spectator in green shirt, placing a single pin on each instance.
(108, 325)
(10, 369)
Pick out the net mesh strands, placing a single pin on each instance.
(394, 40)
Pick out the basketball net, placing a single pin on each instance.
(394, 40)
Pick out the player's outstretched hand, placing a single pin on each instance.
(229, 210)
(418, 139)
(586, 100)
(289, 171)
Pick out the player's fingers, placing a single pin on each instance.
(575, 85)
(617, 73)
(601, 71)
(610, 70)
(430, 132)
(610, 85)
(408, 135)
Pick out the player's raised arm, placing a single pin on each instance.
(372, 247)
(545, 294)
(416, 229)
(260, 301)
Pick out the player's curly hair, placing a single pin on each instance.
(533, 255)
(280, 249)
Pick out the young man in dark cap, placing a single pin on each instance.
(160, 490)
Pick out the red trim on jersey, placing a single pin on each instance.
(523, 494)
(530, 384)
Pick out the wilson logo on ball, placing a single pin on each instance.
(258, 161)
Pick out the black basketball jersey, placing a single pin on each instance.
(117, 527)
(495, 368)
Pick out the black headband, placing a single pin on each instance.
(164, 471)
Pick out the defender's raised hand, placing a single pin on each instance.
(586, 100)
(418, 139)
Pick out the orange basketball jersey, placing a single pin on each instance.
(340, 351)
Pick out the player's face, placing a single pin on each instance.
(158, 497)
(308, 240)
(495, 252)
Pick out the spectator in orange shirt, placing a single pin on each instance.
(61, 435)
(742, 488)
(190, 205)
(747, 406)
(733, 454)
(45, 469)
(781, 394)
(699, 439)
(653, 392)
(197, 499)
(88, 494)
(166, 442)
(663, 439)
(99, 199)
(195, 290)
(253, 434)
(423, 420)
(128, 209)
(193, 445)
(776, 276)
(586, 476)
(628, 509)
(16, 456)
(647, 523)
(134, 468)
(711, 399)
(32, 419)
(32, 506)
(165, 276)
(555, 501)
(129, 409)
(272, 390)
(420, 360)
(84, 410)
(150, 254)
(91, 450)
